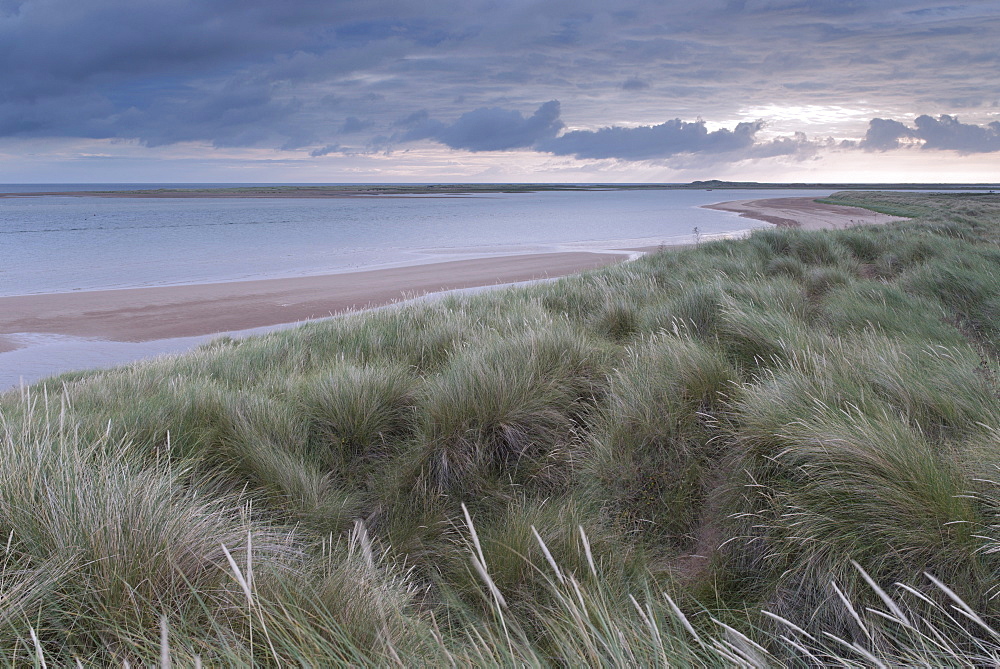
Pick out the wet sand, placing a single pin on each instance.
(144, 314)
(803, 212)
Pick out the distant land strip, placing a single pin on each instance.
(447, 190)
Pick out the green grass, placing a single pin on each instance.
(780, 450)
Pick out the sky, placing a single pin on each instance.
(336, 91)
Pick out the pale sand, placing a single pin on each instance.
(803, 212)
(144, 314)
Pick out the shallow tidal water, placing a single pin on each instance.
(60, 244)
(63, 244)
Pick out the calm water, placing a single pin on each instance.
(60, 244)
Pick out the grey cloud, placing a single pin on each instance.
(942, 133)
(808, 86)
(416, 118)
(496, 129)
(884, 134)
(236, 115)
(325, 151)
(353, 124)
(491, 129)
(634, 84)
(652, 142)
(797, 145)
(156, 70)
(300, 74)
(946, 132)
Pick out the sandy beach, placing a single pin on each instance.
(803, 212)
(143, 314)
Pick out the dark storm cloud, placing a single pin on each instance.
(164, 71)
(492, 129)
(240, 114)
(946, 132)
(353, 124)
(315, 74)
(497, 129)
(942, 133)
(634, 84)
(652, 142)
(325, 151)
(884, 134)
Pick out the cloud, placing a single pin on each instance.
(353, 124)
(314, 74)
(652, 142)
(415, 119)
(946, 132)
(798, 145)
(158, 70)
(325, 150)
(496, 129)
(240, 114)
(884, 134)
(942, 133)
(489, 129)
(634, 84)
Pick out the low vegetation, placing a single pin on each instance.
(778, 450)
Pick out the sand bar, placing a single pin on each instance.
(144, 314)
(803, 212)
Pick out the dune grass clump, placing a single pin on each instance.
(357, 415)
(970, 286)
(848, 486)
(507, 409)
(420, 336)
(111, 545)
(809, 248)
(189, 417)
(698, 309)
(650, 460)
(876, 307)
(567, 531)
(754, 338)
(777, 451)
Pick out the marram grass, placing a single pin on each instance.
(776, 451)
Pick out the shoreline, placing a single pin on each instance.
(46, 334)
(166, 312)
(163, 312)
(803, 212)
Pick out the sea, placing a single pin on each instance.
(65, 243)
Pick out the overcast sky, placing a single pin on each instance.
(505, 90)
